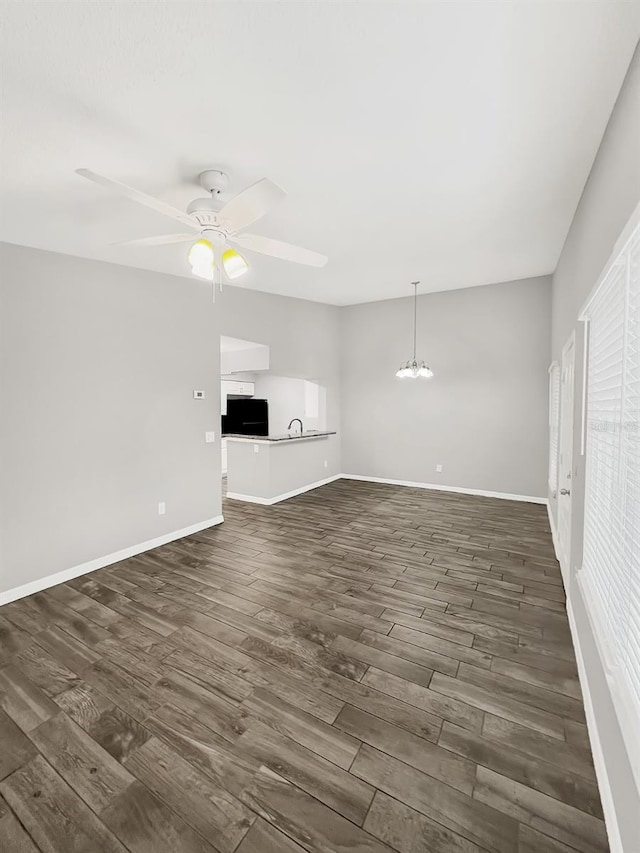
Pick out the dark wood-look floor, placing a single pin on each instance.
(360, 669)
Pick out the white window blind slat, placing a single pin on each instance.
(611, 555)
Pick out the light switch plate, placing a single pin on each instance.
(256, 448)
(209, 437)
(439, 468)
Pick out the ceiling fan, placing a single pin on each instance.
(217, 224)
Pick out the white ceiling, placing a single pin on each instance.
(443, 141)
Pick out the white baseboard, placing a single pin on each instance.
(236, 496)
(109, 559)
(100, 562)
(554, 533)
(602, 775)
(440, 488)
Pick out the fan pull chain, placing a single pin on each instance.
(217, 270)
(219, 265)
(213, 277)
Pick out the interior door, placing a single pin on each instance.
(566, 458)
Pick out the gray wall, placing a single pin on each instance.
(609, 198)
(98, 423)
(483, 416)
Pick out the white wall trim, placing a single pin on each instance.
(602, 775)
(620, 699)
(235, 496)
(552, 525)
(439, 488)
(100, 562)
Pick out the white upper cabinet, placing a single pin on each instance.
(236, 389)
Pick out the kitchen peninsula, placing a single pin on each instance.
(267, 469)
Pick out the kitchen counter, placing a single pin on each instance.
(285, 436)
(267, 469)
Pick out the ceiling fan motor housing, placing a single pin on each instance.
(204, 211)
(214, 235)
(214, 181)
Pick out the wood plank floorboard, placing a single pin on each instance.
(361, 669)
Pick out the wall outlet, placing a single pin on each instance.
(256, 448)
(326, 464)
(162, 508)
(209, 437)
(439, 469)
(198, 395)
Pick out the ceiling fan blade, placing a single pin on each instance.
(139, 197)
(278, 249)
(250, 204)
(161, 240)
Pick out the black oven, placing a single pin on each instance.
(246, 416)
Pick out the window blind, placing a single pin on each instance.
(611, 558)
(554, 425)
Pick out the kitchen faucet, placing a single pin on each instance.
(292, 421)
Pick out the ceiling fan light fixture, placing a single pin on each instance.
(234, 264)
(203, 271)
(201, 259)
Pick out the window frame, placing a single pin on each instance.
(625, 697)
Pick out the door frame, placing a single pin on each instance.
(565, 455)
